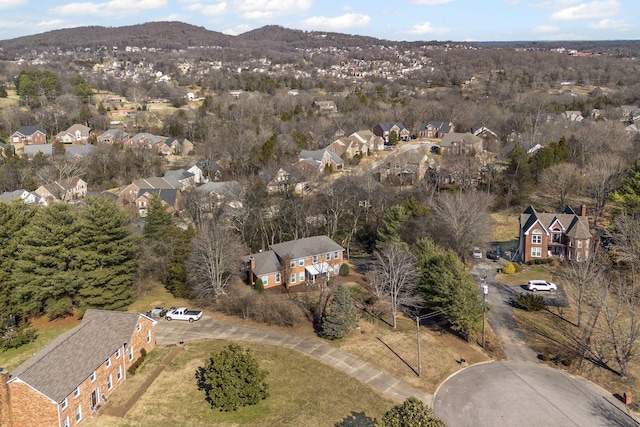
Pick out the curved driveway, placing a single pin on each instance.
(520, 393)
(172, 332)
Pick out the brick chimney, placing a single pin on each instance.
(5, 401)
(583, 210)
(252, 266)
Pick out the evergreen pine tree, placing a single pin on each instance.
(158, 220)
(411, 413)
(106, 256)
(341, 316)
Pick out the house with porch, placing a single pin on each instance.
(563, 235)
(296, 262)
(73, 376)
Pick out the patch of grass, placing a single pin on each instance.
(155, 295)
(302, 392)
(505, 226)
(529, 272)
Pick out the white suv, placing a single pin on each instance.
(541, 285)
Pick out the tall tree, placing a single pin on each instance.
(394, 277)
(341, 315)
(45, 276)
(447, 286)
(560, 181)
(158, 220)
(105, 255)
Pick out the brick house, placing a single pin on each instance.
(435, 129)
(74, 375)
(136, 195)
(461, 143)
(76, 134)
(383, 130)
(28, 135)
(64, 190)
(545, 235)
(295, 262)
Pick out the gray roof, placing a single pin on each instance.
(153, 182)
(443, 127)
(308, 246)
(78, 150)
(168, 195)
(223, 188)
(56, 370)
(29, 130)
(151, 137)
(32, 150)
(575, 226)
(317, 155)
(118, 133)
(9, 196)
(386, 126)
(265, 262)
(455, 137)
(174, 177)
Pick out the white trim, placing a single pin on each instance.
(537, 221)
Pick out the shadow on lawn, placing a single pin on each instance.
(397, 355)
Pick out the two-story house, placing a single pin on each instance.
(295, 262)
(545, 235)
(70, 378)
(28, 135)
(384, 130)
(461, 143)
(435, 129)
(76, 134)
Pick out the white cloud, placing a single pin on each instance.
(10, 4)
(546, 29)
(427, 28)
(593, 10)
(431, 2)
(54, 23)
(610, 24)
(348, 20)
(109, 9)
(269, 9)
(554, 4)
(208, 9)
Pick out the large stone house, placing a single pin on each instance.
(70, 379)
(563, 235)
(295, 262)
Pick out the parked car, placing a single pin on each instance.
(183, 313)
(477, 253)
(494, 255)
(541, 285)
(157, 312)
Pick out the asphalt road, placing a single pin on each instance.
(521, 393)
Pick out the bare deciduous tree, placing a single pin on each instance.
(602, 176)
(395, 278)
(462, 220)
(560, 181)
(213, 259)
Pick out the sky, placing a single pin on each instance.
(412, 20)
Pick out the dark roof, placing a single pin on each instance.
(444, 127)
(265, 262)
(308, 246)
(574, 225)
(168, 195)
(78, 150)
(32, 150)
(386, 126)
(29, 130)
(65, 363)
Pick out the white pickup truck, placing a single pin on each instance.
(183, 313)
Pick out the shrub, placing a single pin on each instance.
(344, 270)
(16, 336)
(545, 356)
(232, 379)
(529, 302)
(135, 365)
(259, 286)
(567, 362)
(509, 268)
(270, 309)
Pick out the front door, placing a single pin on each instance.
(93, 398)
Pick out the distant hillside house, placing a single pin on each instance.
(322, 159)
(76, 134)
(113, 137)
(435, 129)
(73, 376)
(384, 130)
(136, 195)
(29, 135)
(461, 144)
(325, 107)
(178, 146)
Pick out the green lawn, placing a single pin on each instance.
(302, 392)
(529, 272)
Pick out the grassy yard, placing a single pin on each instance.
(303, 392)
(529, 272)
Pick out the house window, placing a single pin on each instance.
(301, 276)
(139, 327)
(78, 414)
(578, 256)
(328, 256)
(336, 269)
(586, 255)
(536, 238)
(301, 262)
(336, 255)
(292, 263)
(292, 278)
(109, 382)
(148, 336)
(130, 353)
(65, 423)
(108, 362)
(265, 280)
(277, 278)
(119, 373)
(76, 392)
(579, 244)
(315, 259)
(93, 376)
(118, 354)
(586, 243)
(536, 252)
(64, 404)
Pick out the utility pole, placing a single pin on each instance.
(485, 291)
(418, 340)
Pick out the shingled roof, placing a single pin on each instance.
(575, 226)
(56, 370)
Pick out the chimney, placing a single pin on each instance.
(583, 210)
(252, 266)
(5, 401)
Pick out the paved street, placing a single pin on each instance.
(171, 332)
(520, 393)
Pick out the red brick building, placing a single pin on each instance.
(563, 235)
(29, 135)
(74, 375)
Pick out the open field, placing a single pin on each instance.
(303, 392)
